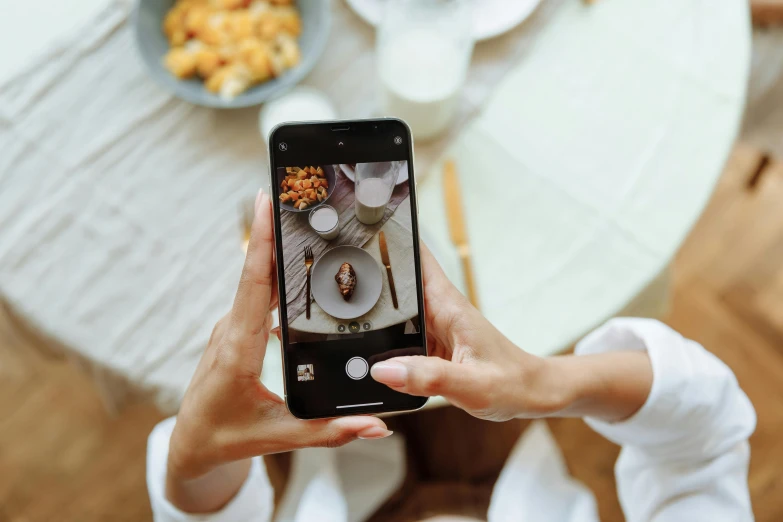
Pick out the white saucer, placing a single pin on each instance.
(492, 17)
(402, 177)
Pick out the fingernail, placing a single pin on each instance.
(374, 432)
(258, 198)
(261, 197)
(391, 373)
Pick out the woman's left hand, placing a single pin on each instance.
(227, 414)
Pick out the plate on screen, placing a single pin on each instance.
(369, 282)
(492, 17)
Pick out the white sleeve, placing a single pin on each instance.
(685, 452)
(253, 503)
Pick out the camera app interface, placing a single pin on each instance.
(348, 255)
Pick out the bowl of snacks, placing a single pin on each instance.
(230, 53)
(303, 189)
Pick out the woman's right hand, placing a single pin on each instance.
(471, 363)
(479, 370)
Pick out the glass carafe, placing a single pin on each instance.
(424, 49)
(374, 185)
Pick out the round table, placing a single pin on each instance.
(588, 140)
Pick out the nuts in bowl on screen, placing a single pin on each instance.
(232, 44)
(304, 187)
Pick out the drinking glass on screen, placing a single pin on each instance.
(424, 49)
(374, 185)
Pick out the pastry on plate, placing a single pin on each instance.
(346, 280)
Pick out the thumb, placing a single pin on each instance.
(426, 376)
(276, 332)
(330, 433)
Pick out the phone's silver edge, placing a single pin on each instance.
(274, 236)
(380, 415)
(311, 122)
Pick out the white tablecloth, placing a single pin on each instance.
(593, 158)
(119, 204)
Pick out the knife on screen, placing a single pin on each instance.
(457, 228)
(387, 263)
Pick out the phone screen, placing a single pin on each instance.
(347, 252)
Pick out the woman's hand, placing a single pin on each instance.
(472, 364)
(479, 370)
(227, 415)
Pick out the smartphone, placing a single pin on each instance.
(348, 271)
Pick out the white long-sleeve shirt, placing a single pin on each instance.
(684, 454)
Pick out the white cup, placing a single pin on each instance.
(325, 221)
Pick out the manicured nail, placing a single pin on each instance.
(261, 198)
(374, 432)
(258, 198)
(390, 373)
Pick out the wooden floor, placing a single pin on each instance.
(63, 458)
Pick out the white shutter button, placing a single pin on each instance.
(357, 368)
